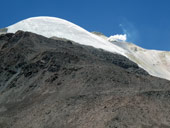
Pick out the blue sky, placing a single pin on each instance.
(146, 22)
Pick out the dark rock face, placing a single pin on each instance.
(47, 83)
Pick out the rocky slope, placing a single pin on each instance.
(47, 83)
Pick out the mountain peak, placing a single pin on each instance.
(56, 27)
(155, 62)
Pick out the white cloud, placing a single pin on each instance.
(117, 38)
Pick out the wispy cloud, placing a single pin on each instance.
(130, 30)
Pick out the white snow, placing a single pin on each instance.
(51, 26)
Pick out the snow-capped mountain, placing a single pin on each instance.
(55, 27)
(155, 62)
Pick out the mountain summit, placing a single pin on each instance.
(56, 27)
(154, 62)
